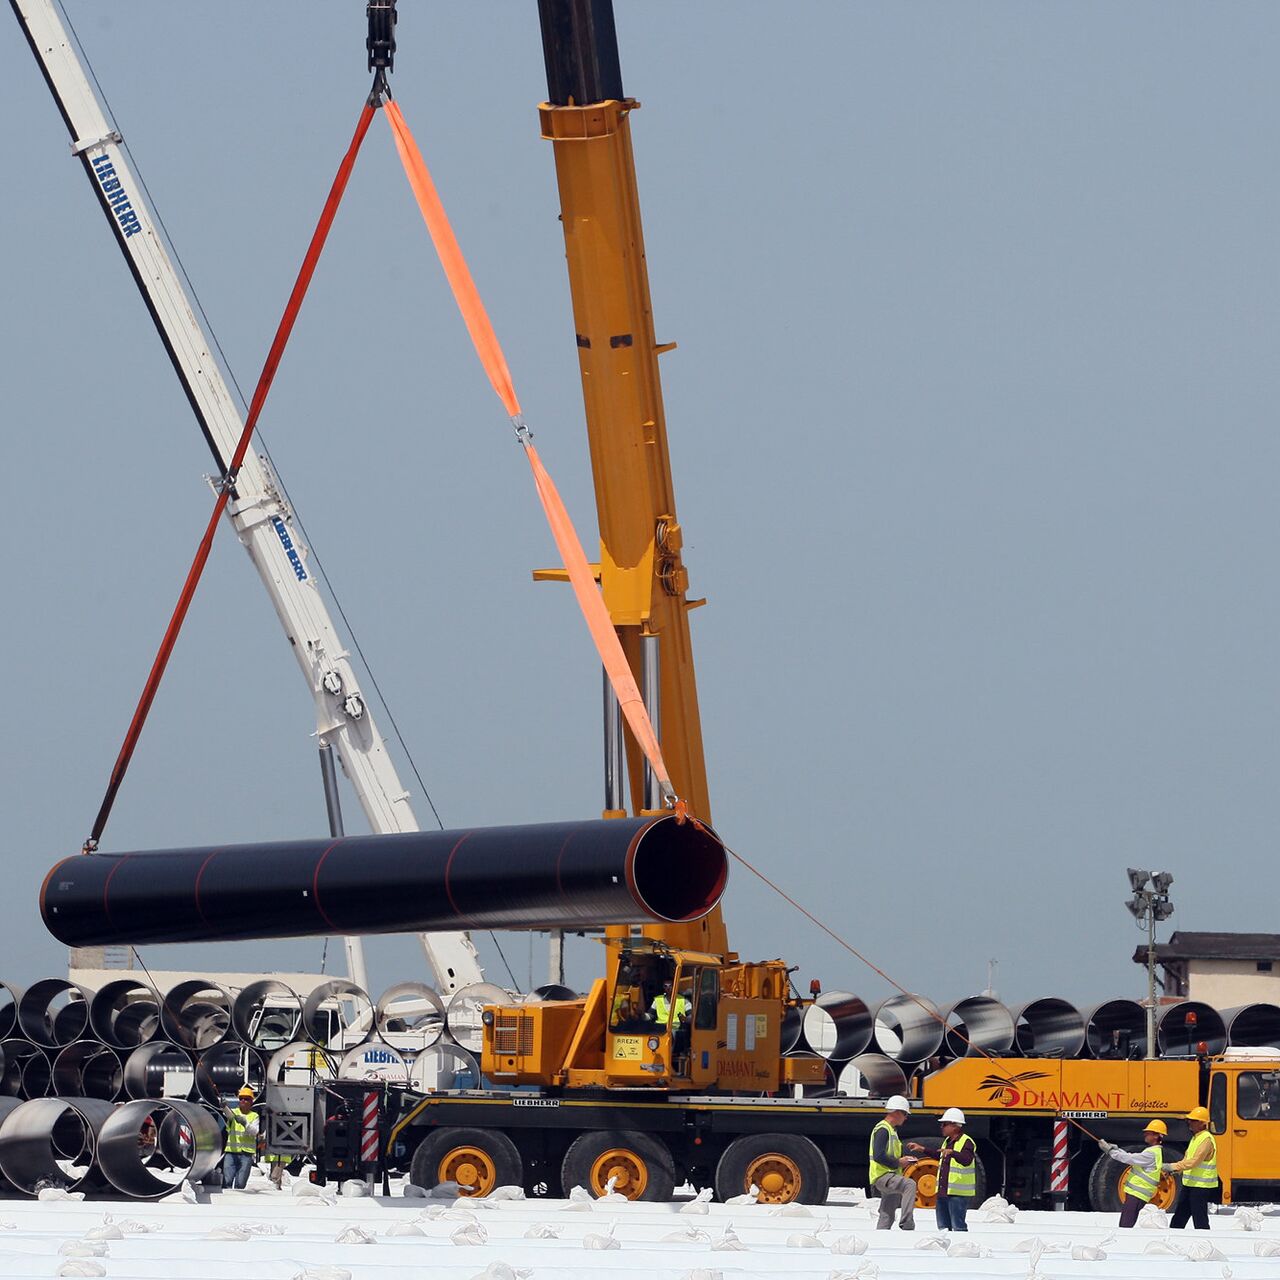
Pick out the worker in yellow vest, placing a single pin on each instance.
(1199, 1169)
(957, 1170)
(1145, 1169)
(888, 1165)
(661, 1007)
(240, 1144)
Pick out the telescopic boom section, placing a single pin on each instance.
(642, 575)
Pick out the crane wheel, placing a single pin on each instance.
(1108, 1179)
(1166, 1190)
(639, 1164)
(478, 1160)
(924, 1173)
(785, 1167)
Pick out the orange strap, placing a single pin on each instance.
(590, 601)
(596, 615)
(465, 293)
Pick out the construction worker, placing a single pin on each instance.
(661, 1007)
(896, 1190)
(1199, 1169)
(957, 1170)
(277, 1163)
(1146, 1165)
(240, 1144)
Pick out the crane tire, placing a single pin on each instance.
(1104, 1183)
(481, 1158)
(640, 1164)
(785, 1167)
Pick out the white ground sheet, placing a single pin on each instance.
(262, 1234)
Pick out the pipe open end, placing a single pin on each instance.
(679, 870)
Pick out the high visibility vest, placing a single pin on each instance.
(962, 1179)
(1142, 1183)
(662, 1008)
(239, 1141)
(1204, 1151)
(878, 1171)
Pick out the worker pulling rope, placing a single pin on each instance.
(226, 485)
(485, 340)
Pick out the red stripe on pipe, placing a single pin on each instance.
(106, 884)
(199, 877)
(559, 860)
(315, 886)
(448, 866)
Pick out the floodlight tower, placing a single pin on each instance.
(1149, 904)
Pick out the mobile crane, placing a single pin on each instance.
(612, 1095)
(639, 1101)
(259, 513)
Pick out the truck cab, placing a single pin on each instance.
(1244, 1118)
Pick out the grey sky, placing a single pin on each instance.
(972, 422)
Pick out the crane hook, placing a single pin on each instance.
(381, 46)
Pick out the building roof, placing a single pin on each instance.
(1183, 945)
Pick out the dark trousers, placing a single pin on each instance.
(235, 1169)
(1193, 1204)
(1129, 1211)
(951, 1211)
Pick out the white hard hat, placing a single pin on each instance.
(897, 1103)
(953, 1115)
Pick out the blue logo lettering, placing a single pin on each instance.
(116, 196)
(299, 569)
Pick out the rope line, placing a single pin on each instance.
(875, 968)
(227, 486)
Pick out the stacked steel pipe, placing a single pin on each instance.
(89, 1080)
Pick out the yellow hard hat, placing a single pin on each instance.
(1157, 1126)
(1199, 1113)
(245, 1092)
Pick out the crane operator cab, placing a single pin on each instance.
(685, 1021)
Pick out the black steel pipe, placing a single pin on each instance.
(1049, 1028)
(465, 1015)
(54, 1013)
(225, 1069)
(14, 1054)
(410, 1016)
(267, 1014)
(9, 997)
(1253, 1025)
(147, 1149)
(335, 1006)
(196, 1014)
(125, 1013)
(1190, 1028)
(87, 1069)
(37, 1075)
(159, 1070)
(52, 1141)
(978, 1026)
(556, 875)
(838, 1025)
(1117, 1029)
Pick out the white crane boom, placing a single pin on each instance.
(260, 514)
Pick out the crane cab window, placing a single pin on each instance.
(641, 980)
(1218, 1103)
(1258, 1095)
(704, 1016)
